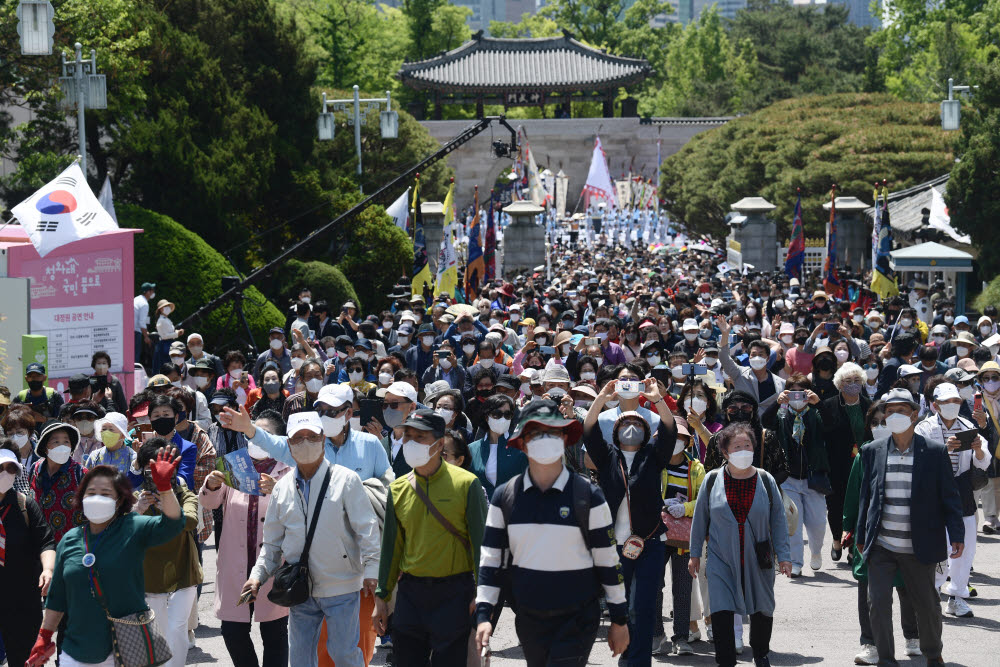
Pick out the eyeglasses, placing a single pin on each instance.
(736, 409)
(395, 405)
(501, 414)
(295, 442)
(990, 378)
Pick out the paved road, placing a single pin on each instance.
(815, 623)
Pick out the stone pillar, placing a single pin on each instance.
(523, 240)
(433, 215)
(752, 235)
(854, 239)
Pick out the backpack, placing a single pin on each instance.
(581, 501)
(710, 482)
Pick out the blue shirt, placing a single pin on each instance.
(189, 458)
(361, 452)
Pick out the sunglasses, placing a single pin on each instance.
(334, 412)
(735, 409)
(501, 414)
(395, 405)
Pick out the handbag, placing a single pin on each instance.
(291, 584)
(634, 545)
(678, 533)
(791, 513)
(980, 478)
(136, 640)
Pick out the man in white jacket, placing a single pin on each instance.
(343, 558)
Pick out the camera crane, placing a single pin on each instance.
(233, 288)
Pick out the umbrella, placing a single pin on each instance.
(460, 310)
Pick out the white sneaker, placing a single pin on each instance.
(681, 647)
(708, 632)
(958, 607)
(661, 646)
(796, 571)
(912, 647)
(816, 562)
(191, 639)
(739, 646)
(868, 655)
(694, 636)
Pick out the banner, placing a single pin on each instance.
(421, 269)
(399, 211)
(490, 249)
(831, 282)
(883, 278)
(796, 256)
(599, 185)
(475, 268)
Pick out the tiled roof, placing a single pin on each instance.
(488, 65)
(906, 206)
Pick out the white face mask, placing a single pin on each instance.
(690, 337)
(385, 379)
(758, 363)
(653, 360)
(677, 372)
(200, 381)
(446, 414)
(858, 318)
(525, 388)
(444, 363)
(841, 355)
(355, 376)
(101, 369)
(787, 339)
(695, 404)
(871, 373)
(177, 359)
(898, 423)
(355, 423)
(195, 350)
(20, 439)
(236, 374)
(985, 329)
(387, 324)
(905, 322)
(710, 361)
(427, 340)
(60, 454)
(297, 363)
(305, 299)
(167, 310)
(949, 319)
(705, 333)
(948, 411)
(751, 312)
(967, 393)
(546, 448)
(416, 454)
(332, 426)
(601, 335)
(276, 344)
(515, 318)
(307, 452)
(256, 453)
(498, 426)
(403, 340)
(679, 446)
(469, 350)
(6, 482)
(880, 431)
(741, 460)
(314, 385)
(937, 340)
(486, 363)
(962, 351)
(99, 509)
(588, 375)
(87, 427)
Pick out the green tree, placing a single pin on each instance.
(362, 43)
(420, 23)
(531, 25)
(592, 21)
(326, 282)
(971, 194)
(851, 139)
(378, 254)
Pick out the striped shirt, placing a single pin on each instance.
(551, 568)
(895, 532)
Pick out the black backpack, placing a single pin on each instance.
(581, 501)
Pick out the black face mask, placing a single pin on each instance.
(802, 340)
(735, 417)
(824, 365)
(484, 393)
(35, 385)
(163, 425)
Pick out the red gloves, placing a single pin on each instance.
(163, 469)
(42, 650)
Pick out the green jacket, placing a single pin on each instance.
(852, 499)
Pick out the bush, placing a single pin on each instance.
(989, 296)
(324, 280)
(189, 272)
(850, 139)
(379, 253)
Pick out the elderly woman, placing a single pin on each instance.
(492, 461)
(449, 404)
(116, 450)
(56, 477)
(19, 425)
(742, 517)
(843, 418)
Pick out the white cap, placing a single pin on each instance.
(195, 335)
(334, 395)
(690, 324)
(407, 315)
(116, 419)
(515, 306)
(304, 421)
(908, 369)
(404, 389)
(786, 328)
(945, 391)
(875, 315)
(7, 456)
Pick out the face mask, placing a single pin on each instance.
(967, 393)
(387, 324)
(737, 329)
(546, 448)
(402, 340)
(515, 318)
(937, 340)
(962, 351)
(307, 452)
(355, 423)
(871, 373)
(679, 446)
(163, 425)
(446, 414)
(272, 387)
(905, 322)
(898, 423)
(948, 411)
(601, 335)
(111, 439)
(631, 436)
(858, 318)
(991, 386)
(276, 344)
(802, 320)
(880, 432)
(355, 376)
(985, 330)
(787, 339)
(710, 361)
(486, 363)
(195, 350)
(654, 360)
(690, 337)
(741, 460)
(494, 321)
(6, 482)
(541, 340)
(99, 509)
(392, 418)
(797, 405)
(100, 369)
(677, 372)
(200, 381)
(427, 340)
(256, 453)
(588, 375)
(841, 355)
(305, 299)
(59, 455)
(297, 363)
(20, 439)
(445, 363)
(361, 335)
(525, 388)
(851, 388)
(705, 333)
(314, 385)
(35, 385)
(167, 311)
(177, 359)
(751, 312)
(332, 426)
(385, 379)
(416, 454)
(949, 319)
(85, 427)
(469, 350)
(498, 425)
(758, 363)
(695, 404)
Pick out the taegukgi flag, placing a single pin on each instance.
(63, 211)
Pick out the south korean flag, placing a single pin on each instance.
(63, 211)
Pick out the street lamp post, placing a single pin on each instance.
(951, 109)
(35, 27)
(357, 111)
(83, 87)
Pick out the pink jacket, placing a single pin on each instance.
(231, 559)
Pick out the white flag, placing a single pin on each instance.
(107, 201)
(599, 184)
(399, 210)
(940, 219)
(63, 211)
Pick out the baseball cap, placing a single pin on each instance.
(908, 369)
(900, 396)
(178, 346)
(194, 336)
(334, 395)
(276, 330)
(426, 420)
(304, 421)
(79, 382)
(961, 319)
(946, 391)
(404, 389)
(690, 324)
(957, 375)
(145, 287)
(34, 367)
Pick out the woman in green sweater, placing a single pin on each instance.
(109, 550)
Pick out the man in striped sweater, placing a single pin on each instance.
(553, 530)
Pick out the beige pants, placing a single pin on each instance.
(989, 496)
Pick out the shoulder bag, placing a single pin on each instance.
(292, 585)
(441, 519)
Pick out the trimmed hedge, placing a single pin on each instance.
(189, 272)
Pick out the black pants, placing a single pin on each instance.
(907, 615)
(431, 624)
(835, 511)
(558, 641)
(275, 638)
(19, 628)
(725, 636)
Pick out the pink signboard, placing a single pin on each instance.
(81, 300)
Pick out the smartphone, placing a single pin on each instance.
(661, 374)
(312, 334)
(246, 596)
(628, 386)
(967, 438)
(977, 402)
(442, 354)
(831, 326)
(547, 349)
(694, 369)
(593, 340)
(371, 408)
(796, 396)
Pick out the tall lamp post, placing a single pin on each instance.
(35, 27)
(951, 109)
(357, 111)
(83, 88)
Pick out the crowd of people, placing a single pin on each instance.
(555, 447)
